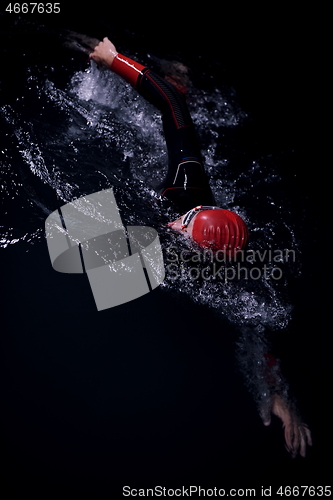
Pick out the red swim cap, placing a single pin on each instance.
(220, 229)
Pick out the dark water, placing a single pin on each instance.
(151, 392)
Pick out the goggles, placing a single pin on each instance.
(193, 212)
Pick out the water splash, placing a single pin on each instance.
(99, 133)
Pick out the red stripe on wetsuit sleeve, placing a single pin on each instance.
(128, 69)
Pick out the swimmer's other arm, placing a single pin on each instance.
(296, 433)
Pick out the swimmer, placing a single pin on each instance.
(186, 185)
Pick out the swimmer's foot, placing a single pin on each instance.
(297, 434)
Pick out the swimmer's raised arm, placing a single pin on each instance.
(186, 182)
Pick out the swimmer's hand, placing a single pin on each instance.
(297, 434)
(104, 53)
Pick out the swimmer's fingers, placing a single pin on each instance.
(306, 439)
(85, 41)
(79, 42)
(296, 441)
(297, 438)
(289, 437)
(308, 434)
(303, 443)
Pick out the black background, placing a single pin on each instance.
(144, 394)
